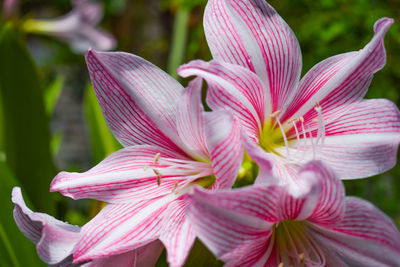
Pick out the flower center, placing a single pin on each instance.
(206, 181)
(271, 137)
(296, 246)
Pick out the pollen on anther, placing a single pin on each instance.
(276, 113)
(156, 157)
(156, 172)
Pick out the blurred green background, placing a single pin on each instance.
(50, 119)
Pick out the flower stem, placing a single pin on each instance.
(177, 53)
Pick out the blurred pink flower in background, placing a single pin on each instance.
(256, 74)
(10, 8)
(78, 28)
(273, 225)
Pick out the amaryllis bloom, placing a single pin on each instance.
(274, 225)
(78, 28)
(55, 240)
(255, 74)
(171, 144)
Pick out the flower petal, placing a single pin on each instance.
(120, 228)
(178, 236)
(146, 255)
(339, 80)
(365, 236)
(224, 144)
(250, 33)
(137, 98)
(54, 239)
(232, 87)
(364, 141)
(190, 121)
(326, 197)
(128, 174)
(229, 223)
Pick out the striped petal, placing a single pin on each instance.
(146, 255)
(178, 236)
(224, 143)
(363, 142)
(364, 237)
(137, 98)
(120, 228)
(339, 80)
(219, 220)
(190, 121)
(326, 198)
(250, 33)
(232, 87)
(54, 239)
(132, 173)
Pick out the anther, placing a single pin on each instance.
(175, 186)
(276, 113)
(301, 257)
(280, 264)
(156, 157)
(156, 172)
(145, 167)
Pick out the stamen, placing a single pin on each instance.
(280, 264)
(297, 132)
(275, 114)
(175, 186)
(145, 167)
(156, 157)
(284, 138)
(312, 143)
(321, 126)
(158, 176)
(304, 134)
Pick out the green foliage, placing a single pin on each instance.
(52, 93)
(199, 256)
(25, 123)
(15, 249)
(102, 141)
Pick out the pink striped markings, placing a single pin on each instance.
(312, 225)
(171, 144)
(255, 75)
(55, 240)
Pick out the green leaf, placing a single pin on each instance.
(199, 256)
(52, 93)
(26, 129)
(15, 248)
(102, 141)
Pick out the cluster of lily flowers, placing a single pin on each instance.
(297, 139)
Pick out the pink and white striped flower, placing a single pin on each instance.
(55, 240)
(255, 73)
(171, 144)
(273, 225)
(77, 28)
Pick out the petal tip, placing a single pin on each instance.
(383, 24)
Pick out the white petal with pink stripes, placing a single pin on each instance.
(266, 225)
